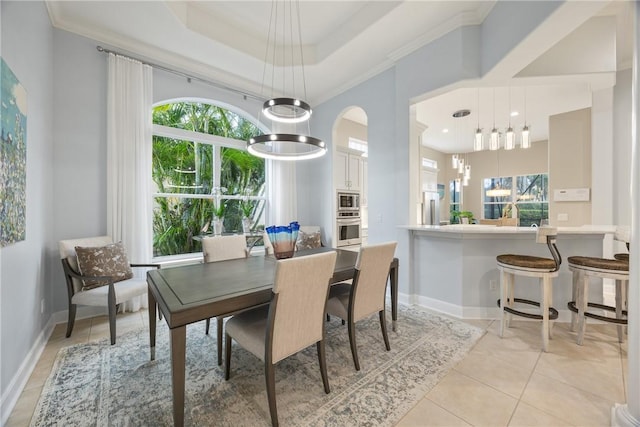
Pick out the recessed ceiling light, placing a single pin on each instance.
(445, 130)
(461, 113)
(514, 113)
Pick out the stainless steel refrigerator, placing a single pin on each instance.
(430, 208)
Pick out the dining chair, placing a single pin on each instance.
(366, 294)
(222, 248)
(98, 273)
(292, 321)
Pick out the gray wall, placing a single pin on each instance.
(27, 48)
(464, 53)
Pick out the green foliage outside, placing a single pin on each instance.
(187, 167)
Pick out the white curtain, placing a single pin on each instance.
(282, 192)
(129, 146)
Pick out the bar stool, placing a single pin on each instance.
(530, 266)
(583, 269)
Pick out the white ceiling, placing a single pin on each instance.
(347, 42)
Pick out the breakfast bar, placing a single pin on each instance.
(453, 267)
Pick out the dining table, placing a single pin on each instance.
(196, 292)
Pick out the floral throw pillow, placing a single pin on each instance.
(308, 240)
(109, 260)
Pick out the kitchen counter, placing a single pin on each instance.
(453, 267)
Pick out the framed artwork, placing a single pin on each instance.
(441, 191)
(13, 158)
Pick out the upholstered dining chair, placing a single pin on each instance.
(293, 321)
(366, 294)
(222, 248)
(98, 273)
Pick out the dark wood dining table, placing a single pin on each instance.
(192, 293)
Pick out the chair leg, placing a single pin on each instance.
(112, 323)
(206, 326)
(550, 299)
(544, 307)
(113, 308)
(328, 317)
(583, 298)
(511, 278)
(72, 319)
(227, 357)
(575, 282)
(270, 375)
(343, 321)
(323, 365)
(219, 322)
(383, 326)
(619, 308)
(352, 341)
(503, 302)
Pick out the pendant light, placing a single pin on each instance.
(510, 136)
(478, 143)
(525, 141)
(494, 140)
(286, 113)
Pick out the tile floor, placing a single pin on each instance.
(502, 382)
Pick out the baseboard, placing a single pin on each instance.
(461, 312)
(19, 381)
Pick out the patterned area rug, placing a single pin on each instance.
(98, 384)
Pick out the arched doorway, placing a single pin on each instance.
(350, 177)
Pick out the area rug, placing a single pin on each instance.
(97, 384)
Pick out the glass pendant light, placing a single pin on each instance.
(454, 161)
(494, 141)
(460, 165)
(525, 142)
(510, 136)
(478, 143)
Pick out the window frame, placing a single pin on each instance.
(217, 142)
(513, 197)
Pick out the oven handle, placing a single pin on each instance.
(348, 221)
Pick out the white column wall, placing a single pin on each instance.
(629, 414)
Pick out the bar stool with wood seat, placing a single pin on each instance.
(584, 268)
(530, 266)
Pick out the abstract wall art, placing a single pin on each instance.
(13, 158)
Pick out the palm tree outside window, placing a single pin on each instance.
(199, 162)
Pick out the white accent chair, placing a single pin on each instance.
(222, 248)
(293, 320)
(111, 295)
(366, 295)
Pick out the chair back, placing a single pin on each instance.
(623, 234)
(370, 281)
(67, 250)
(297, 312)
(549, 236)
(222, 248)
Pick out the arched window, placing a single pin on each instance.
(200, 163)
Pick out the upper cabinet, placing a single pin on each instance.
(348, 171)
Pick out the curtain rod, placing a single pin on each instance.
(182, 74)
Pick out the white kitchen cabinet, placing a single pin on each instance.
(348, 171)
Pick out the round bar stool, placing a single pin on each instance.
(583, 269)
(545, 269)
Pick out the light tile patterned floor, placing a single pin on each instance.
(502, 382)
